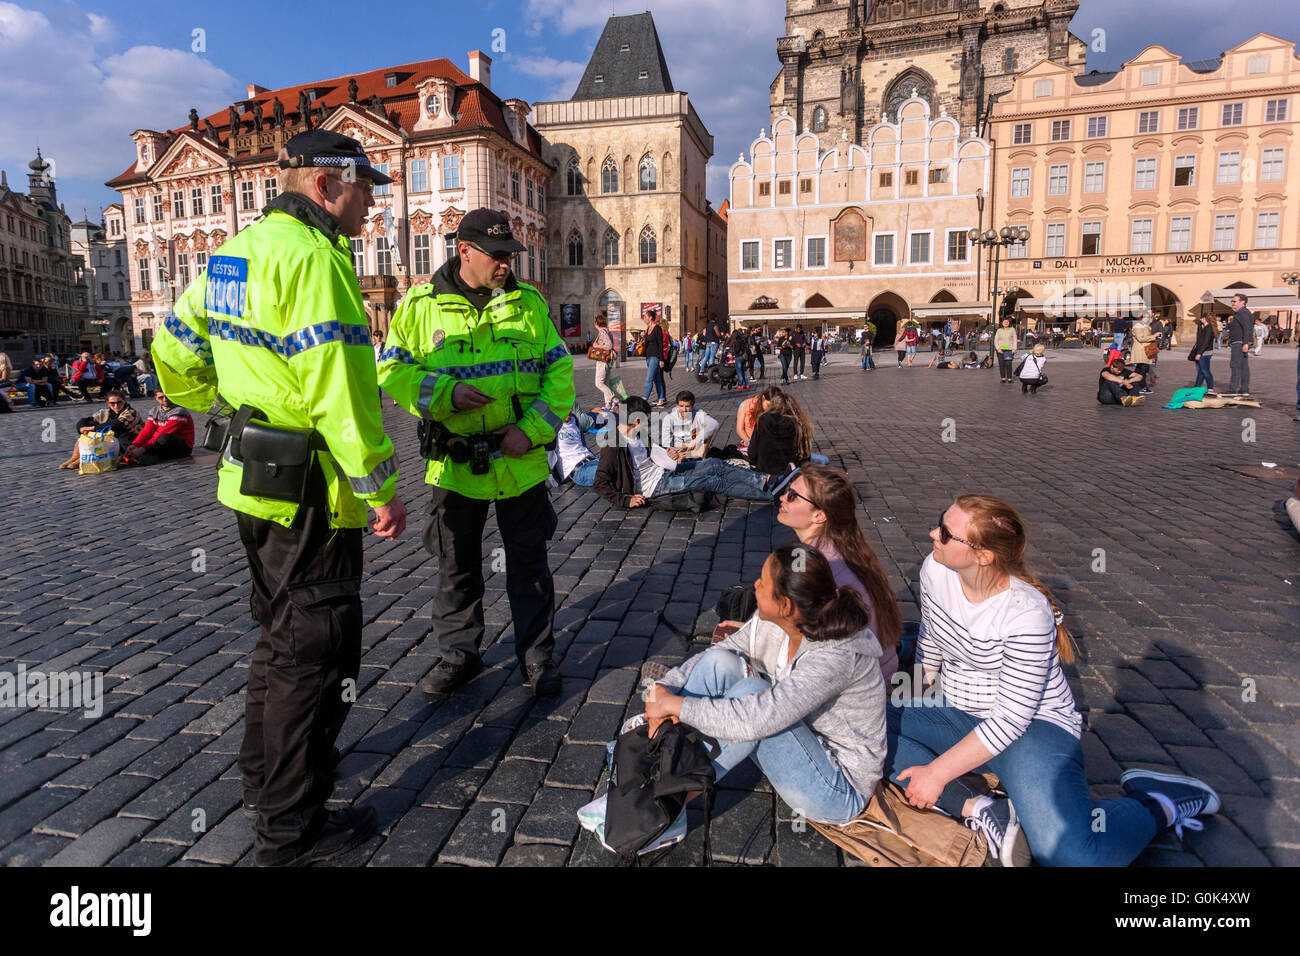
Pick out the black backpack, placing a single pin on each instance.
(650, 779)
(671, 358)
(696, 501)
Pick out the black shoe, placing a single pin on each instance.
(544, 678)
(447, 676)
(343, 830)
(250, 796)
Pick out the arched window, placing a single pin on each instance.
(649, 177)
(573, 179)
(819, 120)
(611, 247)
(609, 175)
(818, 36)
(649, 247)
(607, 298)
(575, 248)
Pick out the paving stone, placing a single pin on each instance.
(224, 843)
(101, 801)
(481, 837)
(577, 765)
(453, 788)
(804, 847)
(416, 839)
(514, 781)
(22, 780)
(101, 843)
(148, 855)
(552, 816)
(1216, 768)
(742, 827)
(480, 748)
(535, 854)
(1127, 740)
(596, 724)
(21, 816)
(164, 796)
(34, 849)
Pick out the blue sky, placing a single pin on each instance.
(80, 77)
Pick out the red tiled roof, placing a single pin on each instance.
(476, 105)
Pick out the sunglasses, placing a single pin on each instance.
(495, 256)
(791, 494)
(945, 535)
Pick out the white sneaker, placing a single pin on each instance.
(997, 820)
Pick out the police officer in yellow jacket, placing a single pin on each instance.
(275, 328)
(475, 355)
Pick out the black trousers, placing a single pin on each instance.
(798, 361)
(758, 363)
(166, 448)
(817, 363)
(307, 598)
(454, 535)
(1004, 362)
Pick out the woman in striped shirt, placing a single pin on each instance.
(990, 631)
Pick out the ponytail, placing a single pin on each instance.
(824, 612)
(843, 616)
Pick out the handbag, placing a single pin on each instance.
(649, 781)
(1016, 370)
(1152, 350)
(598, 354)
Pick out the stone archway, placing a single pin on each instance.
(886, 311)
(817, 301)
(119, 335)
(1164, 304)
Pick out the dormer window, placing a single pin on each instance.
(390, 79)
(433, 105)
(311, 97)
(600, 78)
(625, 48)
(643, 75)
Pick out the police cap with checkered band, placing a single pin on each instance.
(490, 231)
(327, 149)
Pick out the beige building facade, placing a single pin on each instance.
(627, 212)
(107, 283)
(831, 237)
(447, 140)
(1165, 179)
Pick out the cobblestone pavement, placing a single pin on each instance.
(1188, 638)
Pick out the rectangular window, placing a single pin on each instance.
(271, 188)
(911, 177)
(1058, 179)
(1020, 181)
(1022, 134)
(1141, 236)
(749, 253)
(783, 187)
(1054, 243)
(383, 257)
(420, 253)
(816, 257)
(939, 174)
(178, 204)
(1144, 176)
(419, 175)
(1189, 117)
(1151, 76)
(1180, 234)
(449, 248)
(1149, 121)
(514, 182)
(1185, 170)
(1042, 88)
(1229, 167)
(920, 248)
(201, 262)
(1232, 114)
(1275, 111)
(501, 177)
(884, 250)
(1097, 127)
(541, 264)
(1270, 167)
(765, 189)
(359, 256)
(532, 262)
(103, 290)
(386, 188)
(782, 254)
(957, 248)
(805, 187)
(528, 191)
(1225, 231)
(886, 180)
(214, 193)
(1257, 64)
(1266, 226)
(1090, 244)
(183, 268)
(142, 275)
(1094, 177)
(121, 290)
(1060, 130)
(196, 200)
(246, 199)
(139, 211)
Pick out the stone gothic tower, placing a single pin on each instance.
(844, 67)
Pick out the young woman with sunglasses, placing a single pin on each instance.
(991, 632)
(798, 689)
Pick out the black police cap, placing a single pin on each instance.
(327, 149)
(489, 230)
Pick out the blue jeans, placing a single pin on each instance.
(585, 474)
(867, 360)
(1119, 341)
(785, 369)
(742, 378)
(1042, 772)
(710, 354)
(714, 474)
(690, 359)
(654, 378)
(45, 391)
(1203, 372)
(794, 761)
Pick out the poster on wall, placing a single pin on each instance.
(647, 308)
(571, 321)
(614, 313)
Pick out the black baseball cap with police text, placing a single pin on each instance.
(327, 149)
(489, 230)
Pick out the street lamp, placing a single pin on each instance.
(997, 239)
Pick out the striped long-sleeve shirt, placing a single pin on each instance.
(997, 658)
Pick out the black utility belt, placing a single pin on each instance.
(276, 460)
(437, 442)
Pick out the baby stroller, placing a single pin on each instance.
(723, 373)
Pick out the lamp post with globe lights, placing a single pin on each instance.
(997, 239)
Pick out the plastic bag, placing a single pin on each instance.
(97, 453)
(615, 384)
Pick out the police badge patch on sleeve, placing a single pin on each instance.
(227, 286)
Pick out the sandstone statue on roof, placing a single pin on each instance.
(194, 119)
(234, 121)
(304, 107)
(352, 90)
(277, 110)
(257, 117)
(376, 104)
(210, 131)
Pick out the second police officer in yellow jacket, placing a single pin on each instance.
(476, 356)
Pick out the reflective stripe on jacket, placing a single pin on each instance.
(276, 321)
(512, 348)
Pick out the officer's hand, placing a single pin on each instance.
(465, 397)
(390, 519)
(514, 442)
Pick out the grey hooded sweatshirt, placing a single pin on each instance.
(833, 686)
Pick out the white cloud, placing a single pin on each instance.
(561, 76)
(81, 101)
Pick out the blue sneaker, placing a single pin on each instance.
(997, 820)
(1183, 798)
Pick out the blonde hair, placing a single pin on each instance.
(996, 527)
(299, 179)
(1039, 350)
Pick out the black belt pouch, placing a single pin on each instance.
(276, 461)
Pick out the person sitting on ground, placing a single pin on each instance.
(991, 633)
(812, 713)
(572, 460)
(86, 374)
(1031, 371)
(630, 473)
(687, 428)
(782, 437)
(1116, 385)
(167, 435)
(120, 417)
(35, 379)
(750, 410)
(55, 379)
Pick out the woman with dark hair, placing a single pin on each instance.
(604, 343)
(991, 630)
(785, 351)
(1203, 350)
(782, 436)
(798, 689)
